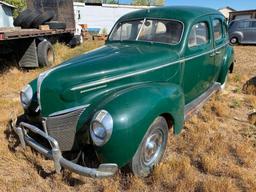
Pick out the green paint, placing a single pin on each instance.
(138, 81)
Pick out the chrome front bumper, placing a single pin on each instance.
(104, 170)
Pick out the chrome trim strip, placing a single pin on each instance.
(92, 89)
(103, 81)
(68, 110)
(140, 29)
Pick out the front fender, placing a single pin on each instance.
(238, 35)
(133, 110)
(227, 62)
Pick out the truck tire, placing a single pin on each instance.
(56, 25)
(19, 19)
(43, 18)
(27, 21)
(45, 54)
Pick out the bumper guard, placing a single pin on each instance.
(104, 170)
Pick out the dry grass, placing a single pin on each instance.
(216, 152)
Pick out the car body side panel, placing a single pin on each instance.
(220, 47)
(133, 110)
(201, 66)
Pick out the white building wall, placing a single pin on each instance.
(103, 17)
(6, 19)
(225, 12)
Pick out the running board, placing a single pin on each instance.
(196, 104)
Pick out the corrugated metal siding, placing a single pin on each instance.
(6, 19)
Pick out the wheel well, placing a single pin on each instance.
(231, 68)
(169, 119)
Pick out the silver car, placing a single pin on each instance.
(242, 31)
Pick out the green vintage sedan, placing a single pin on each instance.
(116, 105)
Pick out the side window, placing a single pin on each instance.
(243, 24)
(217, 29)
(253, 24)
(126, 31)
(199, 35)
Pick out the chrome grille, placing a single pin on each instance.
(62, 127)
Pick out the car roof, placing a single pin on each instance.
(182, 13)
(238, 20)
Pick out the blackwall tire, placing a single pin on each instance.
(151, 149)
(20, 18)
(27, 22)
(43, 18)
(56, 25)
(45, 54)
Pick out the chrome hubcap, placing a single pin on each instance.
(233, 40)
(152, 148)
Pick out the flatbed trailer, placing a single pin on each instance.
(12, 34)
(32, 47)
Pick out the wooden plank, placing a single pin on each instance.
(44, 27)
(27, 33)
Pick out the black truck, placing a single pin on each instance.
(43, 23)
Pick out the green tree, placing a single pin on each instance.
(110, 1)
(19, 4)
(148, 2)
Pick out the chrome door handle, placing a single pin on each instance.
(218, 52)
(212, 55)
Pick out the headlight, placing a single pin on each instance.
(101, 128)
(26, 96)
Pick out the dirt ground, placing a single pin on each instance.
(216, 151)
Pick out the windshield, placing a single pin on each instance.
(149, 30)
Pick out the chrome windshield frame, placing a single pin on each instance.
(144, 20)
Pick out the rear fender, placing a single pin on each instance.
(227, 65)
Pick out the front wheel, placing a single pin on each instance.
(233, 40)
(151, 149)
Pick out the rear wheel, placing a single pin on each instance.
(151, 149)
(45, 53)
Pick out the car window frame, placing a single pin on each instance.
(149, 18)
(224, 39)
(197, 47)
(222, 30)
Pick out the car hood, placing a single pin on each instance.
(107, 64)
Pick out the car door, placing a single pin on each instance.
(251, 36)
(244, 28)
(220, 37)
(199, 59)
